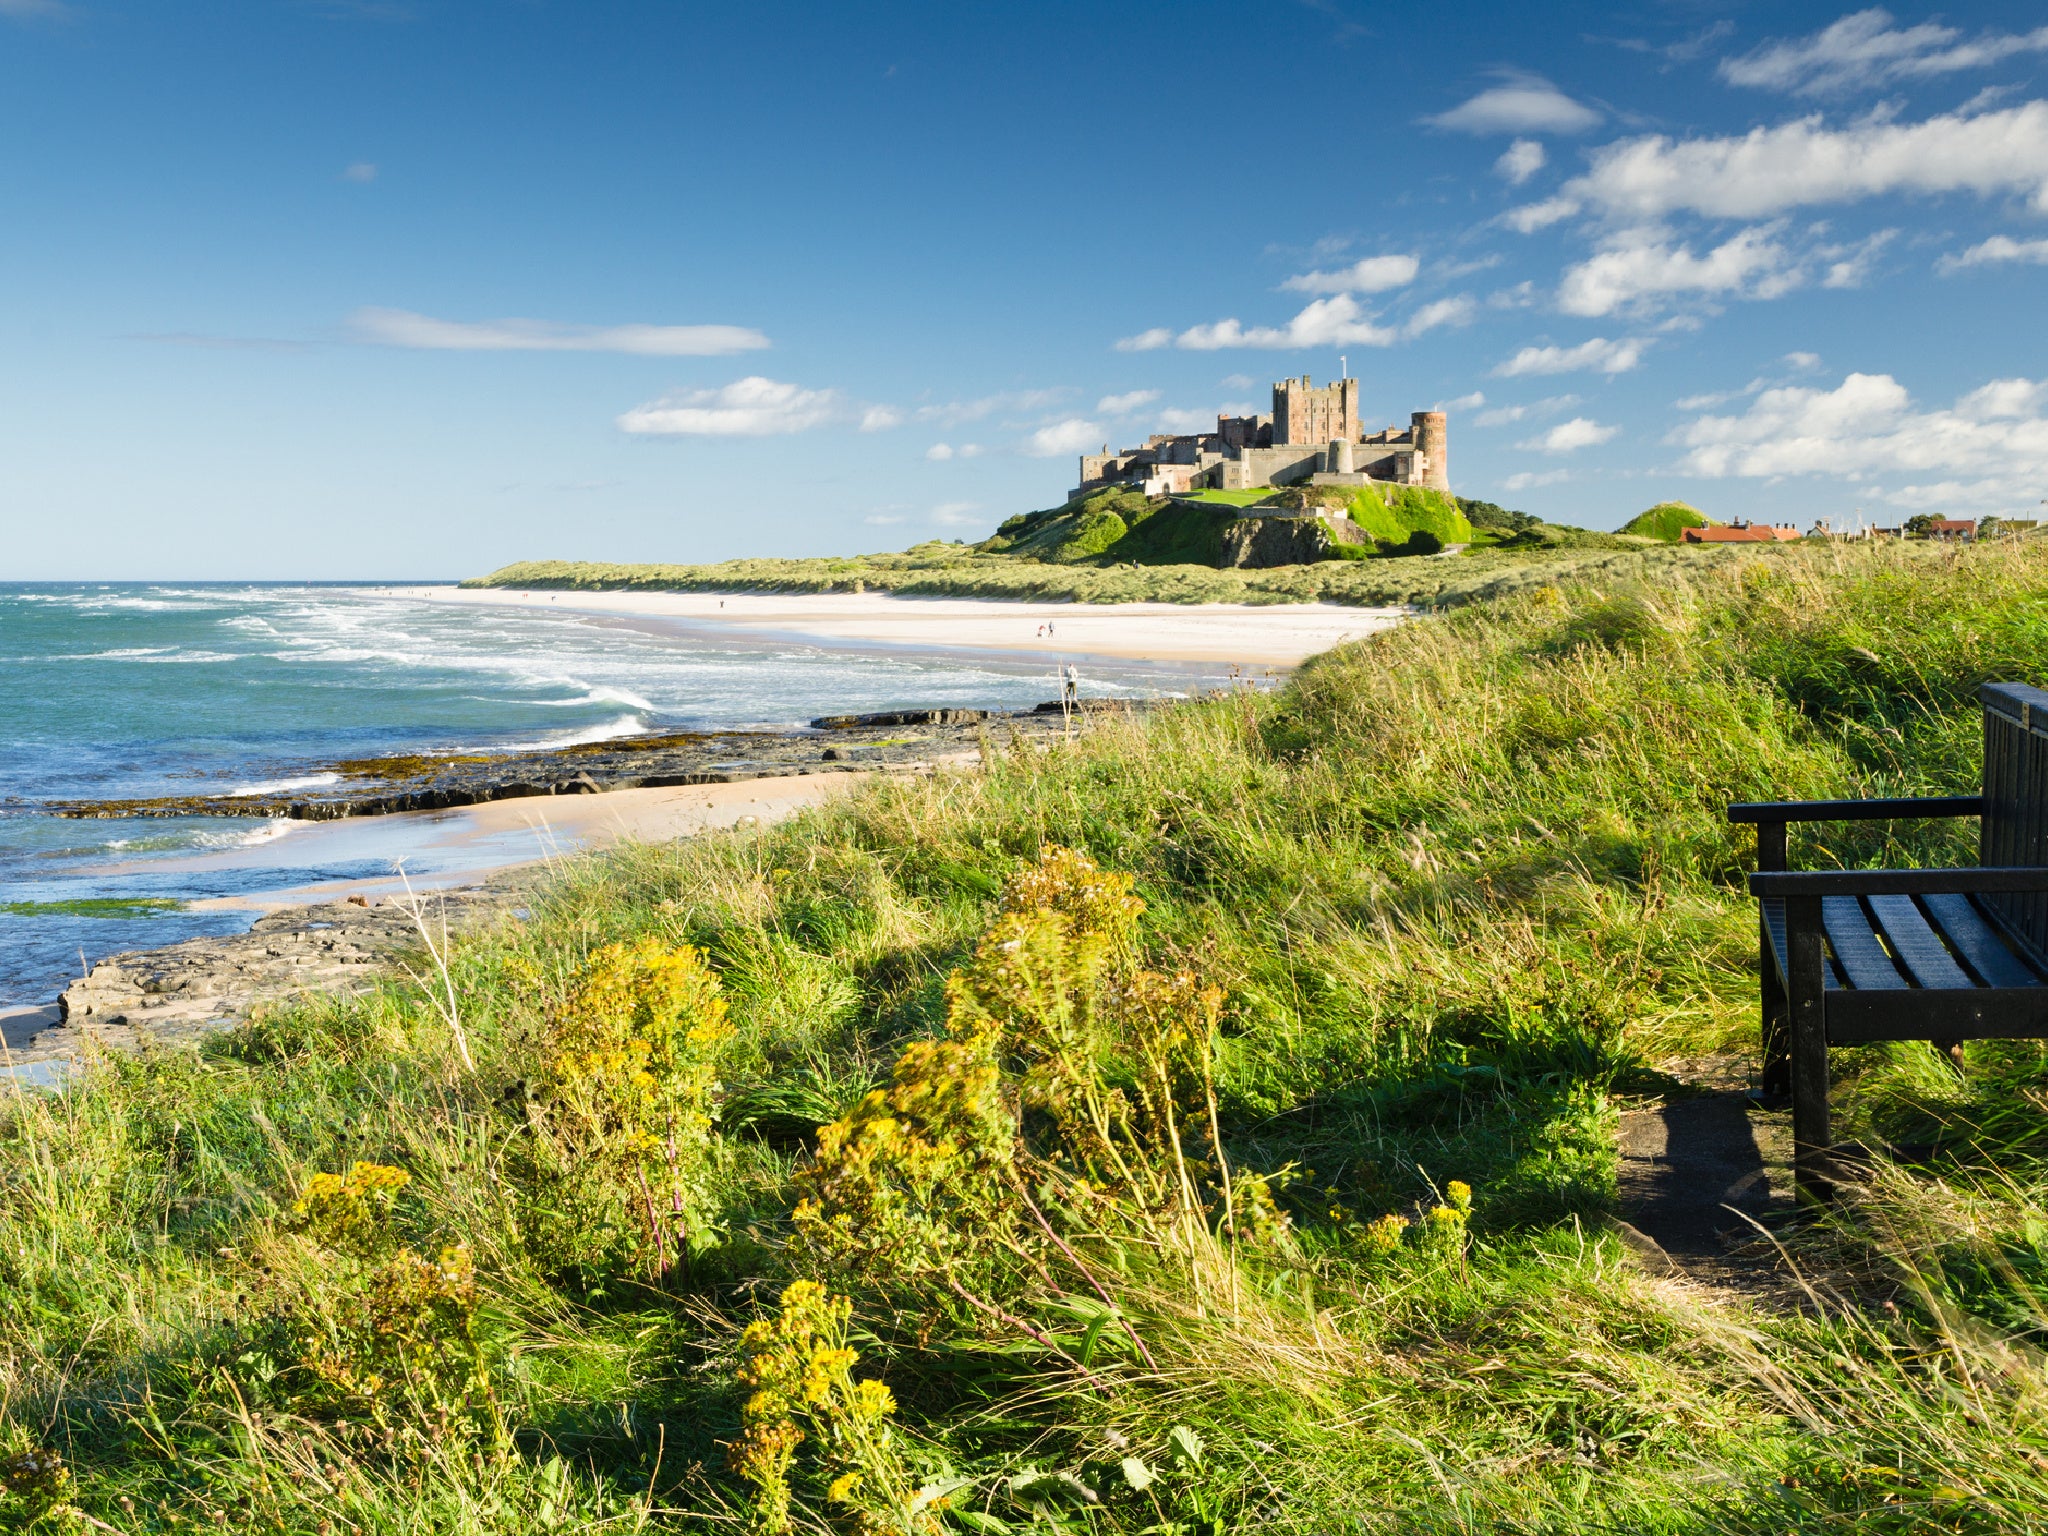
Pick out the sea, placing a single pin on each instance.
(120, 691)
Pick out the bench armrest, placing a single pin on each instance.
(1897, 882)
(1856, 810)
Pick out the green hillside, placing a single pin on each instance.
(1666, 521)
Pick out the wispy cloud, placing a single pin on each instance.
(942, 453)
(1599, 353)
(219, 343)
(952, 514)
(749, 407)
(1529, 479)
(1507, 415)
(1868, 49)
(1997, 251)
(361, 171)
(1521, 103)
(1125, 404)
(403, 328)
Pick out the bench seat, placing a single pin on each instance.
(1918, 968)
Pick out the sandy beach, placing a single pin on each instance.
(444, 848)
(1242, 634)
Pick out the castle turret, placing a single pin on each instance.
(1432, 449)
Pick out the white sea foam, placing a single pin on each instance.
(284, 786)
(625, 725)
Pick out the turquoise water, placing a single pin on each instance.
(122, 691)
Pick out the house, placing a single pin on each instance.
(1739, 533)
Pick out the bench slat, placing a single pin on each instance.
(1918, 947)
(1978, 943)
(1864, 963)
(1774, 915)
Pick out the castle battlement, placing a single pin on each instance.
(1312, 435)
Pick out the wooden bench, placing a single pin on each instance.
(1947, 955)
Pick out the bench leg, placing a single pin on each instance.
(1777, 1014)
(1776, 1083)
(1812, 1139)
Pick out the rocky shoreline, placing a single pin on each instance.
(179, 994)
(381, 786)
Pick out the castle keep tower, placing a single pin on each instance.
(1432, 449)
(1303, 414)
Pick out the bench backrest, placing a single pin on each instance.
(2015, 824)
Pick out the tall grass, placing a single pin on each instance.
(1466, 886)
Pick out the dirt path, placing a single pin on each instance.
(1696, 1173)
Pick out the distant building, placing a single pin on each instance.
(1312, 435)
(1963, 528)
(1739, 533)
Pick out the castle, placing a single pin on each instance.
(1312, 435)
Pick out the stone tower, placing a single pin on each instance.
(1432, 446)
(1303, 414)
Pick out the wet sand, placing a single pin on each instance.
(445, 848)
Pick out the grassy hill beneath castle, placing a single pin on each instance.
(1116, 545)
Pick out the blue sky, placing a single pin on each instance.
(357, 288)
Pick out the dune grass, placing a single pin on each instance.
(951, 570)
(1413, 926)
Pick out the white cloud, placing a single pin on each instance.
(1147, 341)
(1530, 478)
(940, 453)
(1798, 164)
(880, 418)
(952, 413)
(1521, 296)
(402, 328)
(1639, 267)
(1375, 274)
(882, 519)
(953, 513)
(1506, 415)
(1522, 159)
(362, 170)
(1866, 49)
(1531, 217)
(1999, 248)
(1124, 404)
(1237, 381)
(1336, 321)
(1185, 422)
(1607, 356)
(1470, 402)
(1521, 103)
(750, 407)
(1570, 436)
(1988, 451)
(1849, 265)
(1803, 361)
(1073, 435)
(1457, 310)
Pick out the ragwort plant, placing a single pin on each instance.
(624, 1154)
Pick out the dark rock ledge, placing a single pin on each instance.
(378, 786)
